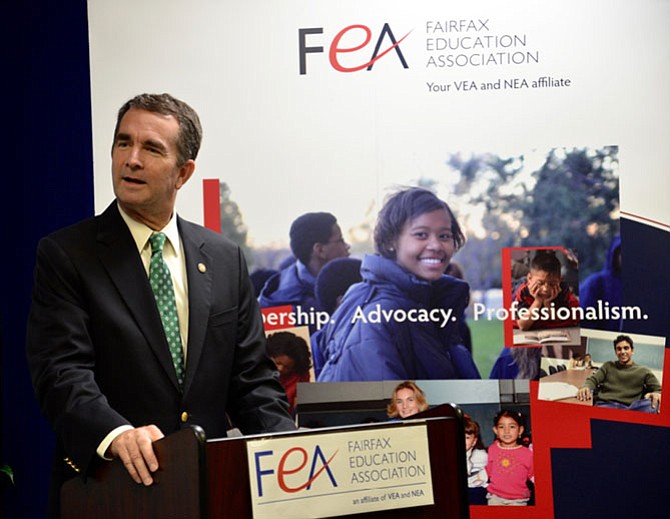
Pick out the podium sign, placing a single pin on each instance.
(367, 469)
(340, 473)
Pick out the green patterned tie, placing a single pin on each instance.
(161, 284)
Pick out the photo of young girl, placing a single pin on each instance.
(510, 462)
(476, 458)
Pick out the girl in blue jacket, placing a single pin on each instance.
(401, 321)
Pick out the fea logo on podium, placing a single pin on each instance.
(340, 473)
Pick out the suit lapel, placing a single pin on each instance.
(118, 253)
(199, 272)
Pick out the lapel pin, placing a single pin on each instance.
(202, 268)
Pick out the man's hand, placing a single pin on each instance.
(655, 400)
(136, 452)
(584, 393)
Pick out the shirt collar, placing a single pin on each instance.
(141, 232)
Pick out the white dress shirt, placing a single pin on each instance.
(173, 254)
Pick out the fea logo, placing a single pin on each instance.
(291, 470)
(360, 37)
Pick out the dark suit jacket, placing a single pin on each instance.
(98, 355)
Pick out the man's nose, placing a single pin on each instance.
(133, 158)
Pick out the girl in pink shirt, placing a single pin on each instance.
(510, 464)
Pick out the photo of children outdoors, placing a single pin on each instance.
(466, 321)
(405, 287)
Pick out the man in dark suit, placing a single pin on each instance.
(98, 354)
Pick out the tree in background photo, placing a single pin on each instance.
(571, 200)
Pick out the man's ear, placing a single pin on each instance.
(185, 172)
(318, 249)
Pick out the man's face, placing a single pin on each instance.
(335, 247)
(624, 352)
(145, 173)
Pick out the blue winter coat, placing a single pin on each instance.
(504, 367)
(357, 349)
(293, 285)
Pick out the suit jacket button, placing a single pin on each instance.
(184, 417)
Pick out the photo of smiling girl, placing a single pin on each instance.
(510, 463)
(392, 325)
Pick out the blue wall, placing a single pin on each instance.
(48, 183)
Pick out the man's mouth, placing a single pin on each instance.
(133, 180)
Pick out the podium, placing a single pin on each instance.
(200, 478)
